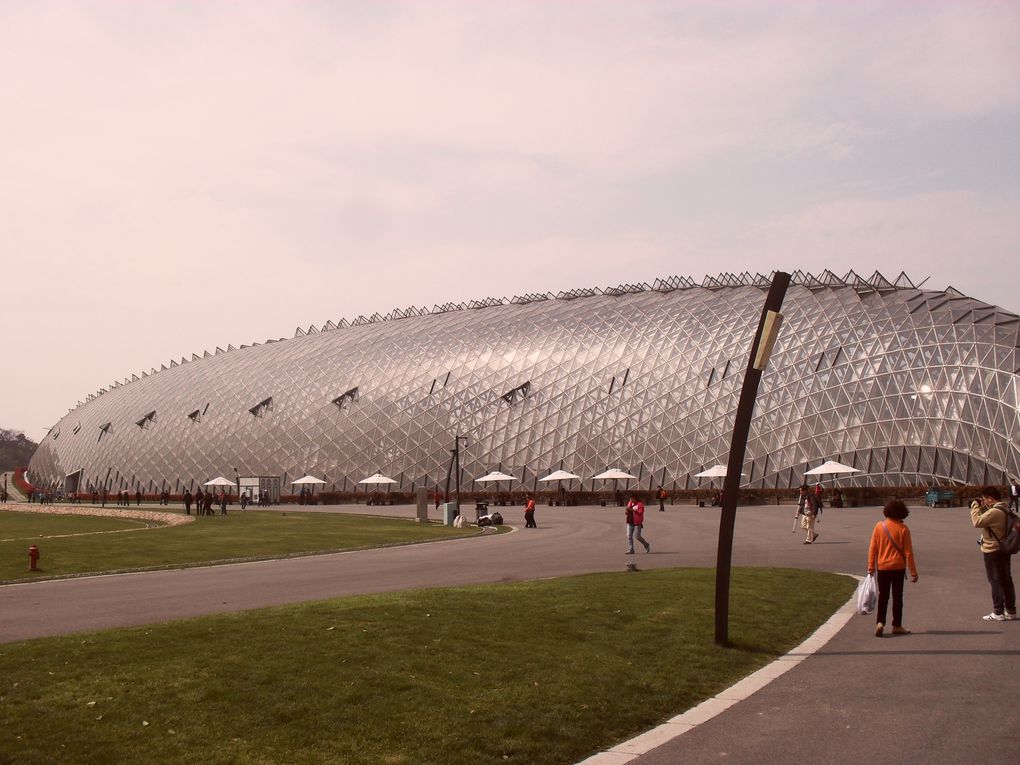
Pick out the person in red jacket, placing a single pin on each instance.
(890, 553)
(529, 513)
(635, 522)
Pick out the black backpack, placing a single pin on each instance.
(1011, 542)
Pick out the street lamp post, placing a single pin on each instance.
(457, 440)
(761, 350)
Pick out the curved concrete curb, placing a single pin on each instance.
(630, 750)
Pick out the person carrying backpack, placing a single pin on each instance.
(991, 515)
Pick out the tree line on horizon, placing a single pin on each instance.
(16, 449)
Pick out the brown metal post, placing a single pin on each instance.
(738, 446)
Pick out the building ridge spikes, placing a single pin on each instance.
(903, 281)
(812, 282)
(953, 291)
(711, 282)
(729, 280)
(343, 324)
(879, 282)
(573, 294)
(218, 351)
(830, 279)
(298, 332)
(763, 281)
(852, 279)
(666, 284)
(797, 277)
(312, 329)
(206, 354)
(328, 326)
(531, 297)
(626, 289)
(194, 357)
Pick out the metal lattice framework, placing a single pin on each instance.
(908, 385)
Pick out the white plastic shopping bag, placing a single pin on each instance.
(867, 595)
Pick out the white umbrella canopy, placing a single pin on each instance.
(613, 473)
(219, 481)
(559, 475)
(830, 467)
(377, 478)
(495, 475)
(308, 479)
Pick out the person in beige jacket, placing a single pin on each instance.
(989, 515)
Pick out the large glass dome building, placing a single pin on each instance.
(908, 385)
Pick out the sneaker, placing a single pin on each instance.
(900, 631)
(994, 617)
(648, 548)
(629, 552)
(814, 537)
(879, 629)
(1010, 617)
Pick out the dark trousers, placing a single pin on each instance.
(1001, 579)
(529, 520)
(891, 580)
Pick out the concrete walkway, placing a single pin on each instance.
(945, 694)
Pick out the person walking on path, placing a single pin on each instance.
(989, 514)
(635, 523)
(809, 517)
(1014, 495)
(187, 501)
(529, 513)
(662, 498)
(890, 553)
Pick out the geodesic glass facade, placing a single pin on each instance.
(910, 386)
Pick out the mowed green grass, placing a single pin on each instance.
(536, 672)
(237, 536)
(30, 527)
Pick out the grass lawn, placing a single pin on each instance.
(537, 672)
(27, 528)
(264, 534)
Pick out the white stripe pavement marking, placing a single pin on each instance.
(627, 751)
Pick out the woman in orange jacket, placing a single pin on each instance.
(890, 553)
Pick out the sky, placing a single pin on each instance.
(177, 176)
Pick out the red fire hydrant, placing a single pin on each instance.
(33, 557)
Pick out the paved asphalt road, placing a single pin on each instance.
(946, 694)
